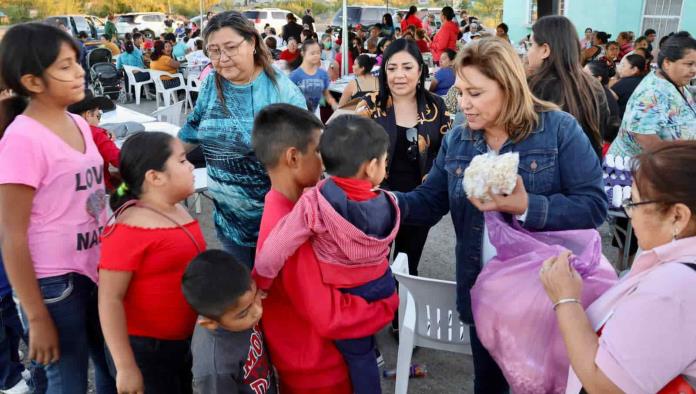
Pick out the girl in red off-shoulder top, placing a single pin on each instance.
(146, 321)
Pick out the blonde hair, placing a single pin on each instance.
(498, 61)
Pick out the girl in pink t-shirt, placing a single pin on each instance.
(52, 205)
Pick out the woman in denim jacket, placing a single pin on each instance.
(560, 182)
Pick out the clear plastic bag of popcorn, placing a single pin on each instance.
(491, 171)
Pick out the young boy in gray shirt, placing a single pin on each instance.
(229, 355)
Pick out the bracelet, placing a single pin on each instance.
(566, 301)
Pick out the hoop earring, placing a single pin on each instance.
(254, 51)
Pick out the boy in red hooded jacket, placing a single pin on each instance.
(310, 308)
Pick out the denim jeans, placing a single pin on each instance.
(243, 254)
(71, 300)
(165, 365)
(359, 353)
(10, 333)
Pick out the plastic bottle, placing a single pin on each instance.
(416, 371)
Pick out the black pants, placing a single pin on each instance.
(165, 365)
(411, 240)
(141, 76)
(488, 378)
(171, 83)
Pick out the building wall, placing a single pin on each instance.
(515, 16)
(612, 16)
(688, 19)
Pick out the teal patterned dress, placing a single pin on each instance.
(655, 108)
(237, 181)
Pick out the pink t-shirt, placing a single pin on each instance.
(68, 210)
(649, 321)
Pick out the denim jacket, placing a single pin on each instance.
(561, 173)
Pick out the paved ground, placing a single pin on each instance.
(447, 372)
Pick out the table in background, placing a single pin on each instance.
(122, 114)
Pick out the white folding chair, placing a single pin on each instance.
(170, 114)
(428, 318)
(137, 86)
(193, 85)
(168, 95)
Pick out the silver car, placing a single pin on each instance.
(151, 24)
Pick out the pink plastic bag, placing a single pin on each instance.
(514, 316)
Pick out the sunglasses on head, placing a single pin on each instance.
(412, 138)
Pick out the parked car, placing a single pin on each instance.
(364, 15)
(90, 24)
(275, 17)
(151, 24)
(197, 20)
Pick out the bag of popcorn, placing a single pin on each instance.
(491, 171)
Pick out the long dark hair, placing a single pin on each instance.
(366, 62)
(240, 24)
(411, 11)
(129, 46)
(560, 78)
(395, 47)
(157, 50)
(140, 153)
(20, 55)
(388, 20)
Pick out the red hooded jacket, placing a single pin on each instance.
(303, 316)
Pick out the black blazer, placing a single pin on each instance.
(433, 123)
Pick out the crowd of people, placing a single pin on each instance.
(308, 213)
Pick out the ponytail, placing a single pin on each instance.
(141, 153)
(121, 196)
(129, 46)
(9, 109)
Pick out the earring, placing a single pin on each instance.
(254, 51)
(675, 233)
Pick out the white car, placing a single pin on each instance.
(151, 24)
(275, 17)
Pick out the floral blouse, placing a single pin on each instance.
(655, 108)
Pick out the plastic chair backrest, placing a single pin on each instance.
(129, 70)
(437, 320)
(170, 114)
(156, 77)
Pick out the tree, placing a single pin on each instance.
(489, 10)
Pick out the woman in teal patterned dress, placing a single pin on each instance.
(661, 108)
(242, 83)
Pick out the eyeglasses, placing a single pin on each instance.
(229, 50)
(412, 138)
(628, 205)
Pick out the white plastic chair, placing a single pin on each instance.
(137, 86)
(193, 85)
(170, 114)
(428, 318)
(168, 95)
